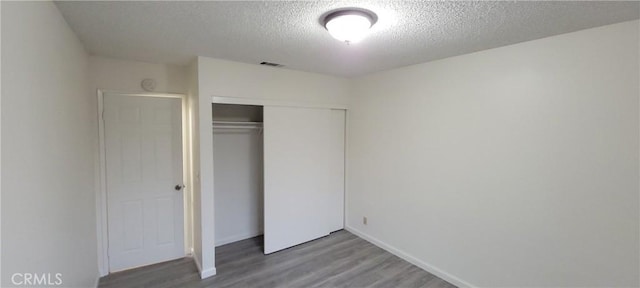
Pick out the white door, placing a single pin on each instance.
(143, 144)
(336, 155)
(302, 194)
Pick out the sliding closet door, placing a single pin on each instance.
(300, 189)
(336, 156)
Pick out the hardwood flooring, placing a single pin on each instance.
(338, 260)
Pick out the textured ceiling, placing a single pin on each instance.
(290, 33)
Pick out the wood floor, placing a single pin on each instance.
(338, 260)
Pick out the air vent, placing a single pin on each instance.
(271, 64)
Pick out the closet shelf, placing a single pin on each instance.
(237, 125)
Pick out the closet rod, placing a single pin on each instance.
(236, 125)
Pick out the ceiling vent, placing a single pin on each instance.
(271, 64)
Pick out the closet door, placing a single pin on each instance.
(335, 156)
(300, 185)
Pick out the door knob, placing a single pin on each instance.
(178, 187)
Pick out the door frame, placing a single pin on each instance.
(101, 187)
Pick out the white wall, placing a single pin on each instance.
(238, 186)
(0, 150)
(516, 166)
(48, 208)
(203, 174)
(233, 79)
(125, 76)
(194, 131)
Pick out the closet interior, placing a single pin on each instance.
(238, 173)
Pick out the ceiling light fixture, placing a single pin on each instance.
(349, 25)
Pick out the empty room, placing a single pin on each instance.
(320, 144)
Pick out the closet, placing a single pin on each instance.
(279, 171)
(238, 190)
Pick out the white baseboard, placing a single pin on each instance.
(195, 259)
(203, 273)
(102, 272)
(237, 237)
(208, 273)
(425, 266)
(97, 280)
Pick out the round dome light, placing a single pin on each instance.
(349, 25)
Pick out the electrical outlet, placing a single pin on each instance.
(364, 220)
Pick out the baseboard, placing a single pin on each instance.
(203, 273)
(425, 266)
(102, 273)
(97, 282)
(208, 273)
(238, 237)
(195, 259)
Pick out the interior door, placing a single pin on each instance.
(300, 189)
(143, 145)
